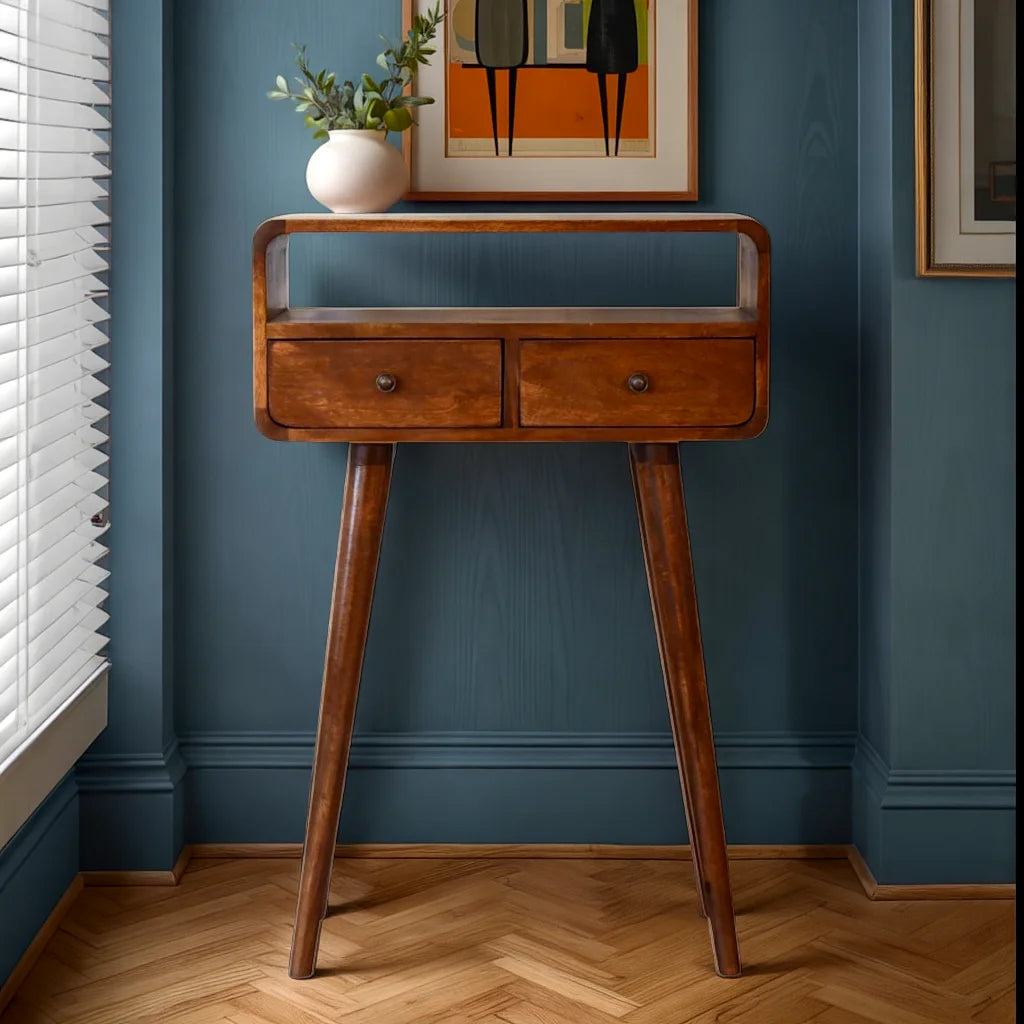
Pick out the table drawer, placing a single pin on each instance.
(385, 383)
(634, 383)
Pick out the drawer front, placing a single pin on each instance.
(385, 383)
(631, 383)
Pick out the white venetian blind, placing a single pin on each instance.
(54, 140)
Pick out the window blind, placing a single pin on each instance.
(54, 142)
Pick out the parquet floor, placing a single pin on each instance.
(520, 942)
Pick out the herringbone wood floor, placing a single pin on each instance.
(520, 942)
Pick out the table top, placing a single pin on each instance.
(473, 223)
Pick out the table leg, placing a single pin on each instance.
(674, 719)
(662, 510)
(367, 481)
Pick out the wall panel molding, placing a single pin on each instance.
(132, 773)
(921, 827)
(132, 810)
(515, 750)
(517, 787)
(938, 789)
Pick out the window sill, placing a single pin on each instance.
(50, 755)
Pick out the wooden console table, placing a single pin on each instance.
(650, 377)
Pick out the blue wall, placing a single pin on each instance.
(935, 777)
(512, 608)
(36, 867)
(875, 405)
(132, 805)
(512, 687)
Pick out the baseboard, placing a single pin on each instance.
(874, 891)
(39, 943)
(172, 877)
(517, 787)
(555, 851)
(511, 851)
(132, 809)
(933, 828)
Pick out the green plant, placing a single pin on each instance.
(376, 105)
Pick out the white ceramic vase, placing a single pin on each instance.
(357, 171)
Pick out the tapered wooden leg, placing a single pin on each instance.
(673, 718)
(662, 508)
(367, 481)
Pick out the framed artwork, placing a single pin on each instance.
(558, 100)
(966, 137)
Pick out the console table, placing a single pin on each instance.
(650, 377)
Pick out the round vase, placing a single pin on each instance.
(357, 171)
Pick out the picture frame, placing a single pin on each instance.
(965, 118)
(534, 113)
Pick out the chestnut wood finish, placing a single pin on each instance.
(367, 482)
(648, 376)
(742, 328)
(666, 540)
(389, 383)
(633, 383)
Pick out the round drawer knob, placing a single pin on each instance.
(638, 383)
(386, 382)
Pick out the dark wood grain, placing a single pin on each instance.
(741, 408)
(511, 432)
(367, 482)
(645, 376)
(574, 316)
(706, 383)
(439, 383)
(665, 655)
(662, 511)
(505, 223)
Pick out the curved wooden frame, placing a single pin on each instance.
(274, 320)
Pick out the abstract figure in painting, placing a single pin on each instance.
(502, 41)
(553, 52)
(612, 50)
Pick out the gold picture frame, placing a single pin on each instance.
(952, 239)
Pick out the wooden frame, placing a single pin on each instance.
(947, 245)
(682, 188)
(278, 328)
(648, 376)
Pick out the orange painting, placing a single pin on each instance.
(549, 78)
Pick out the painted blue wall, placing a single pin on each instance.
(512, 599)
(36, 867)
(132, 809)
(935, 779)
(954, 492)
(875, 406)
(512, 687)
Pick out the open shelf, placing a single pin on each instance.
(516, 315)
(510, 372)
(339, 322)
